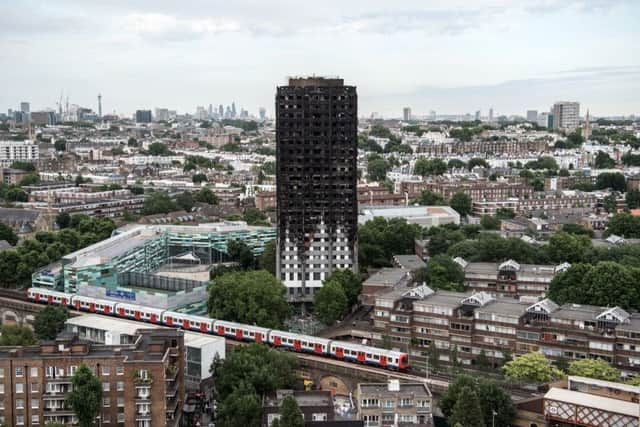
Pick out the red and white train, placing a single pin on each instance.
(342, 350)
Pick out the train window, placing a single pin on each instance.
(376, 357)
(368, 355)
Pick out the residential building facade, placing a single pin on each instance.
(394, 403)
(316, 139)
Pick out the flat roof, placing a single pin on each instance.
(418, 389)
(608, 384)
(592, 401)
(130, 327)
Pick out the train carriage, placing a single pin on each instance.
(138, 312)
(297, 342)
(48, 296)
(369, 355)
(188, 321)
(93, 305)
(241, 332)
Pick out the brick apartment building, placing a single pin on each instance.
(574, 202)
(501, 147)
(394, 403)
(316, 406)
(478, 190)
(509, 279)
(475, 323)
(142, 383)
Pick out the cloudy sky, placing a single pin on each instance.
(452, 56)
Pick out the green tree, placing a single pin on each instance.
(351, 284)
(25, 166)
(251, 297)
(60, 145)
(241, 408)
(238, 251)
(482, 361)
(158, 202)
(489, 222)
(477, 161)
(610, 203)
(603, 161)
(565, 247)
(16, 194)
(30, 179)
(49, 322)
(185, 201)
(461, 202)
(495, 399)
(467, 410)
(624, 224)
(63, 220)
(632, 198)
(425, 167)
(434, 356)
(444, 273)
(253, 216)
(159, 149)
(330, 302)
(429, 198)
(613, 180)
(377, 169)
(85, 398)
(198, 178)
(263, 368)
(268, 257)
(290, 413)
(132, 142)
(452, 394)
(577, 229)
(533, 367)
(7, 233)
(205, 195)
(379, 239)
(598, 369)
(16, 335)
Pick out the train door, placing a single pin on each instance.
(77, 304)
(49, 299)
(92, 307)
(339, 353)
(153, 318)
(185, 324)
(220, 330)
(383, 360)
(136, 314)
(203, 326)
(169, 321)
(277, 341)
(258, 336)
(296, 345)
(361, 357)
(107, 309)
(121, 311)
(317, 348)
(238, 334)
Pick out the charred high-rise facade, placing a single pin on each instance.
(317, 145)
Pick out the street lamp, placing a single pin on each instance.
(493, 418)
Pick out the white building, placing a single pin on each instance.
(566, 115)
(11, 151)
(425, 216)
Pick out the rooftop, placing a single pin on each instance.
(592, 401)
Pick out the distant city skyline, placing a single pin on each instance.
(452, 57)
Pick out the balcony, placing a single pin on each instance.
(171, 373)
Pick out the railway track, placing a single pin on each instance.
(438, 381)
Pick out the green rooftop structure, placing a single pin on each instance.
(143, 249)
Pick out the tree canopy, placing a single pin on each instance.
(377, 169)
(251, 297)
(351, 284)
(380, 239)
(467, 411)
(7, 233)
(429, 198)
(533, 366)
(426, 167)
(462, 203)
(290, 414)
(85, 398)
(49, 322)
(598, 369)
(16, 335)
(330, 302)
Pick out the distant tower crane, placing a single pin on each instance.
(100, 105)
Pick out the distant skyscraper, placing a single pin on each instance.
(100, 105)
(143, 116)
(221, 111)
(25, 107)
(161, 114)
(491, 114)
(566, 115)
(233, 110)
(210, 111)
(263, 113)
(544, 120)
(406, 114)
(532, 116)
(316, 182)
(477, 115)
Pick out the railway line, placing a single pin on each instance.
(437, 382)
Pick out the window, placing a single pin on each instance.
(50, 372)
(120, 418)
(19, 420)
(406, 402)
(19, 403)
(1, 388)
(120, 370)
(35, 403)
(120, 401)
(35, 419)
(19, 372)
(35, 387)
(1, 372)
(322, 416)
(106, 387)
(34, 372)
(72, 370)
(120, 385)
(106, 402)
(1, 404)
(106, 370)
(20, 388)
